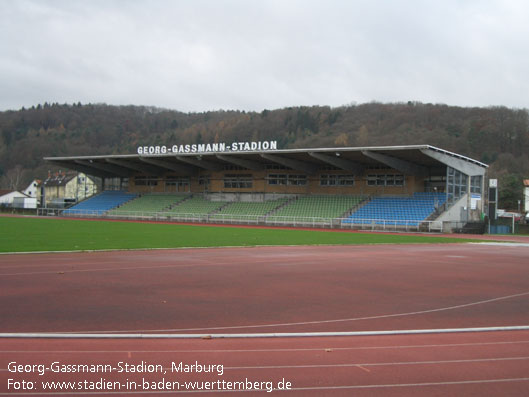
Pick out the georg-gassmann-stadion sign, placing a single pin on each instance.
(209, 147)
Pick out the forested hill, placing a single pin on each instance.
(497, 136)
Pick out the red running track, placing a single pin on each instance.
(287, 289)
(473, 365)
(269, 289)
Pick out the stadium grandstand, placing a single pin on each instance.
(416, 187)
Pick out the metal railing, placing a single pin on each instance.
(270, 220)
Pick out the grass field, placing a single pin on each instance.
(50, 234)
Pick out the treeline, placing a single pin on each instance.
(498, 136)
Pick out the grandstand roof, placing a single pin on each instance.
(410, 160)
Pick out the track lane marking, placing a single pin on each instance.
(455, 307)
(431, 346)
(204, 262)
(383, 364)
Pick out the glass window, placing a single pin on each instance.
(456, 184)
(238, 181)
(204, 180)
(177, 182)
(287, 179)
(145, 181)
(346, 180)
(336, 180)
(385, 180)
(475, 184)
(297, 180)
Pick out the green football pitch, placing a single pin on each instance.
(20, 234)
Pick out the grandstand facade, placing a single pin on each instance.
(393, 185)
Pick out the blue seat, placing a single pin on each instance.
(398, 210)
(101, 203)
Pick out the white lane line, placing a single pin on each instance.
(45, 335)
(448, 383)
(203, 262)
(67, 271)
(312, 349)
(506, 244)
(341, 320)
(387, 364)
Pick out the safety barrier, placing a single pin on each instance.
(271, 220)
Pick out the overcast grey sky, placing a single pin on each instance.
(265, 54)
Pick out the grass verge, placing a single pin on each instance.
(50, 234)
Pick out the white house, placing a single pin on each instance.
(33, 189)
(526, 194)
(7, 197)
(68, 187)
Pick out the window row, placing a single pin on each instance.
(385, 180)
(245, 181)
(337, 180)
(287, 179)
(145, 181)
(177, 182)
(238, 181)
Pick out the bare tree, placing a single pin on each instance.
(12, 179)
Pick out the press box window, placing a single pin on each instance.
(204, 180)
(145, 181)
(385, 180)
(297, 180)
(287, 179)
(177, 182)
(277, 179)
(336, 180)
(238, 181)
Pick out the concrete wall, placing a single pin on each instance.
(454, 213)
